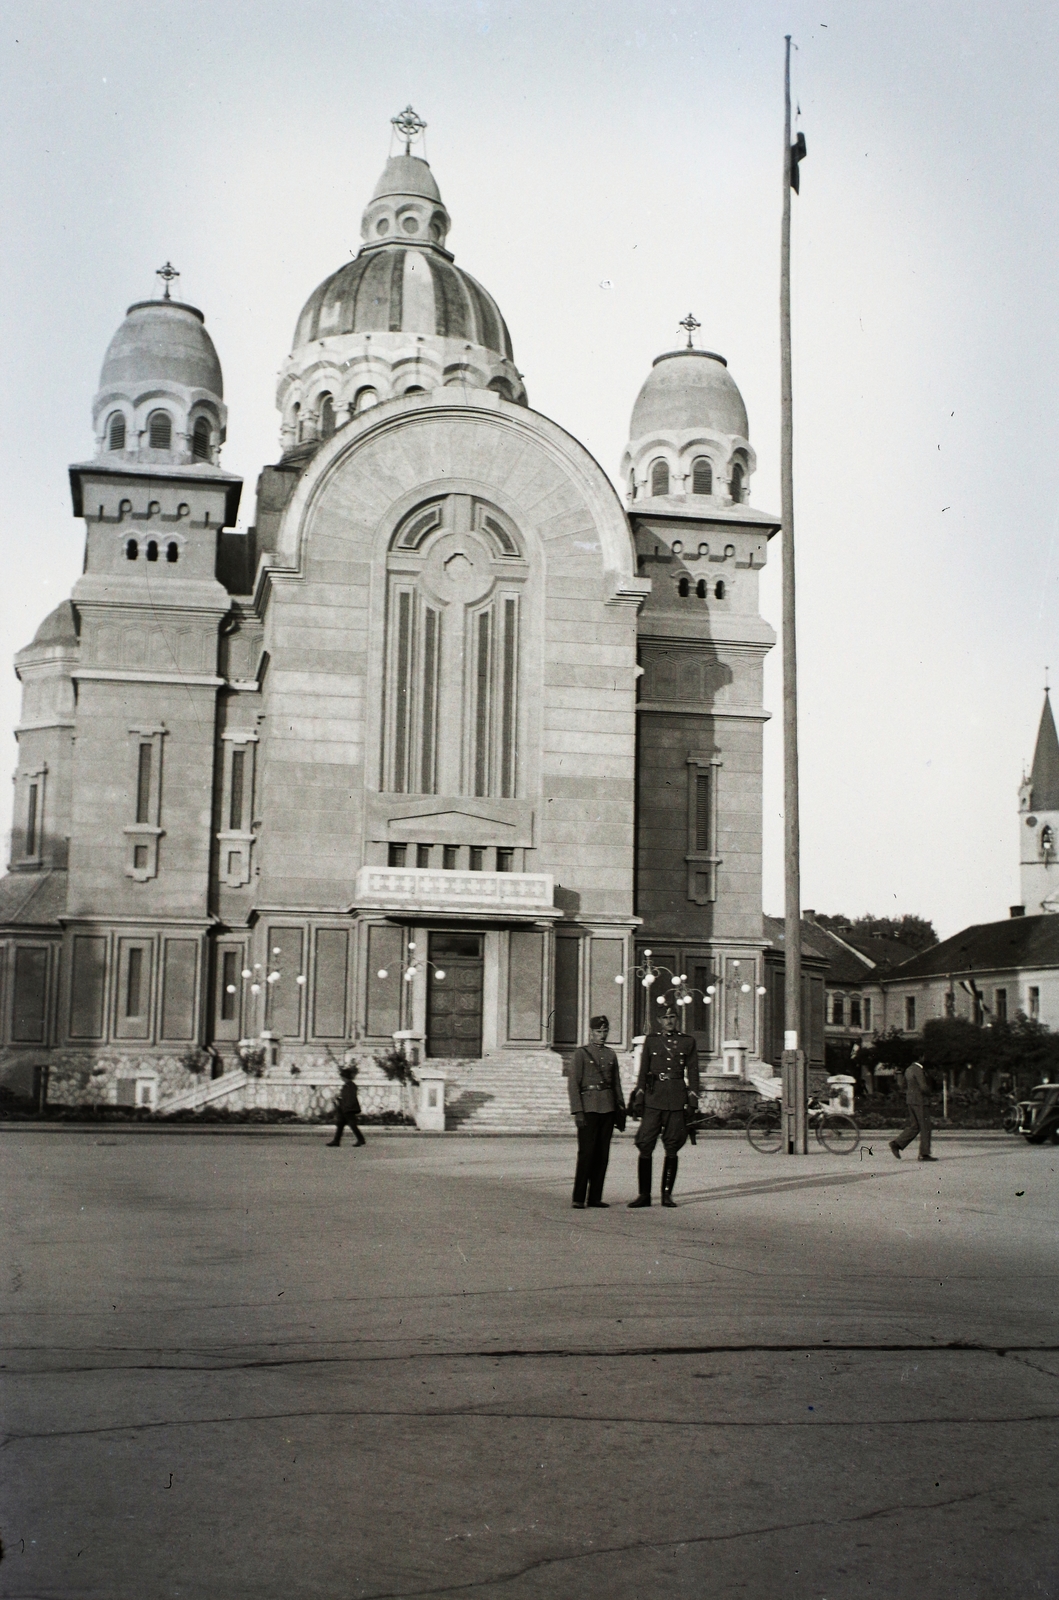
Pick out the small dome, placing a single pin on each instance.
(59, 626)
(407, 175)
(161, 341)
(688, 389)
(396, 289)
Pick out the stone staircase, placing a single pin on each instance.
(507, 1094)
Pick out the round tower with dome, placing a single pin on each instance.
(702, 644)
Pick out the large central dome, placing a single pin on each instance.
(404, 288)
(401, 319)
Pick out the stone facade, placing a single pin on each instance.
(441, 748)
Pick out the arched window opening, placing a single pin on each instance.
(366, 398)
(327, 416)
(160, 431)
(296, 421)
(718, 592)
(702, 476)
(200, 440)
(452, 728)
(660, 477)
(116, 432)
(700, 588)
(152, 549)
(132, 549)
(737, 479)
(415, 388)
(172, 551)
(683, 588)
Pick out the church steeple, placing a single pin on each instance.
(1039, 816)
(1044, 777)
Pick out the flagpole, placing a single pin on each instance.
(795, 1072)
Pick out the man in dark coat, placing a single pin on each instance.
(596, 1098)
(347, 1110)
(916, 1091)
(668, 1081)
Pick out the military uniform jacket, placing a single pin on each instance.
(593, 1080)
(669, 1067)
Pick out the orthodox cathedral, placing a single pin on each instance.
(454, 743)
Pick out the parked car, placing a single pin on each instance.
(1039, 1114)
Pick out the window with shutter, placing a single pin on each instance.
(160, 431)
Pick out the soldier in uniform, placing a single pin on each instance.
(596, 1099)
(667, 1082)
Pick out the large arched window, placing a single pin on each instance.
(737, 482)
(116, 431)
(702, 476)
(327, 416)
(456, 580)
(200, 439)
(660, 476)
(160, 431)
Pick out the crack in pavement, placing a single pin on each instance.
(477, 1414)
(548, 1353)
(637, 1545)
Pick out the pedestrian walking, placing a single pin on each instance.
(916, 1090)
(347, 1110)
(668, 1081)
(596, 1103)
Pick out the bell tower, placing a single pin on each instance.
(1039, 821)
(701, 646)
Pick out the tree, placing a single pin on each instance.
(953, 1042)
(916, 932)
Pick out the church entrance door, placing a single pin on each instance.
(454, 1002)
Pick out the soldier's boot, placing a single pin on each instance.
(669, 1178)
(643, 1180)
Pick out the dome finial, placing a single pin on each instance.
(690, 326)
(167, 274)
(409, 125)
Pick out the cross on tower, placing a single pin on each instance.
(409, 125)
(689, 325)
(167, 275)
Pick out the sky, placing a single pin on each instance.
(609, 167)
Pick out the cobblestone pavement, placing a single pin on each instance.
(256, 1367)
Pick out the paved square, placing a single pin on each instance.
(243, 1365)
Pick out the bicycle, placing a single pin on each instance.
(835, 1130)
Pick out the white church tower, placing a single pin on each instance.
(1039, 816)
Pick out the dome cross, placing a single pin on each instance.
(690, 326)
(167, 274)
(409, 125)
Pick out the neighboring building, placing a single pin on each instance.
(815, 958)
(856, 964)
(993, 971)
(381, 763)
(987, 973)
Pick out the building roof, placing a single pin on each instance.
(986, 947)
(32, 899)
(689, 389)
(881, 952)
(846, 966)
(1044, 779)
(812, 947)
